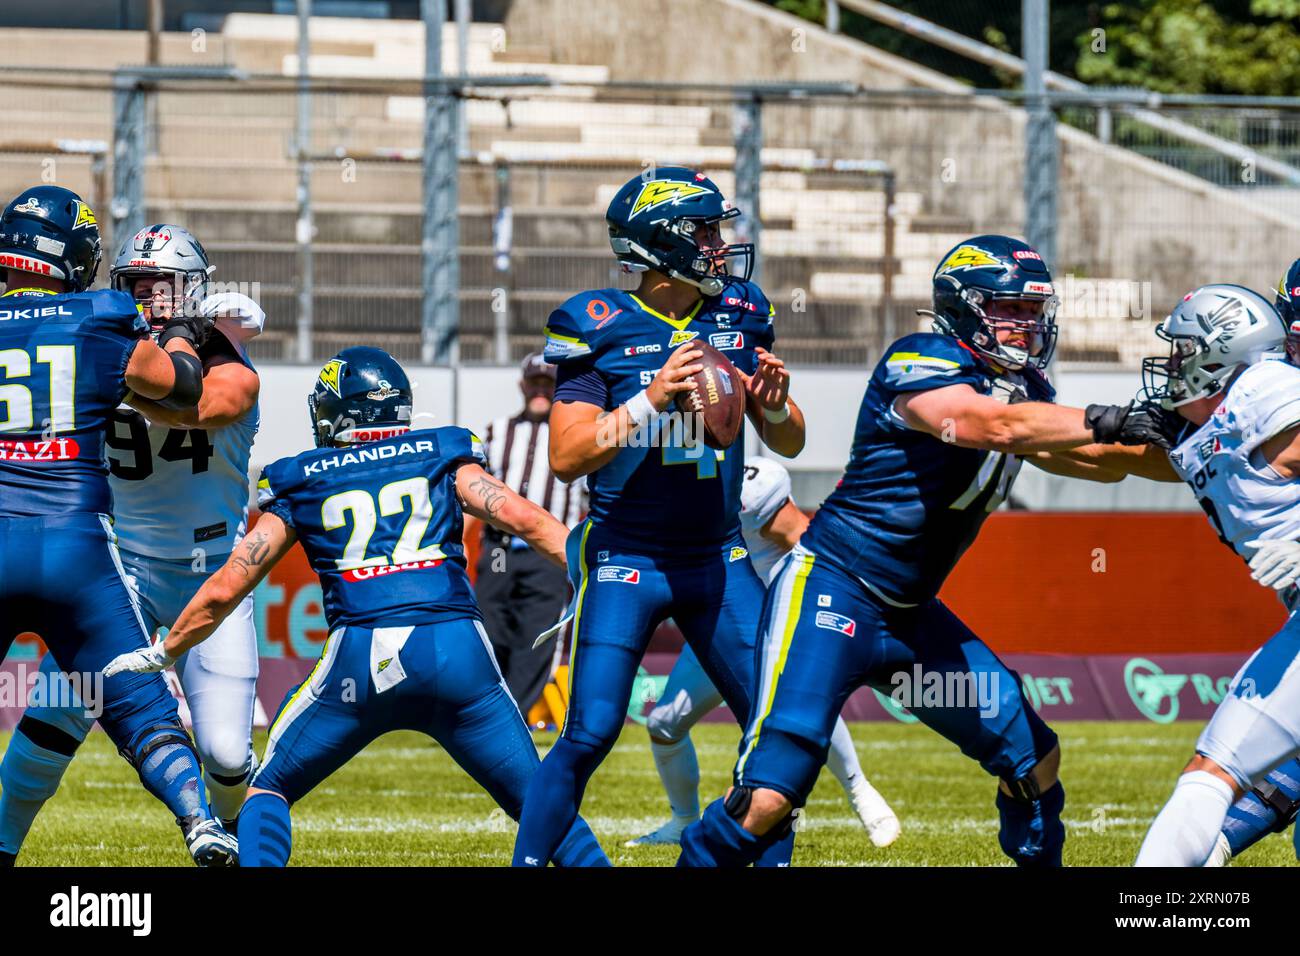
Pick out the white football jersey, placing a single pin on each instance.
(765, 490)
(177, 491)
(1244, 497)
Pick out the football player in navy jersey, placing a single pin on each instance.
(662, 537)
(943, 421)
(68, 357)
(378, 509)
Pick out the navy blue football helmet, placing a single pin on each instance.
(995, 283)
(361, 395)
(51, 231)
(655, 221)
(1288, 306)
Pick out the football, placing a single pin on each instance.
(718, 398)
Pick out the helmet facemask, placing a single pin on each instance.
(675, 251)
(183, 294)
(1030, 317)
(1190, 371)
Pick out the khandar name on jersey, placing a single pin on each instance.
(609, 345)
(381, 525)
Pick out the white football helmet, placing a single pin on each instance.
(163, 251)
(1215, 332)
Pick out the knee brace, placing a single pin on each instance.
(150, 739)
(1274, 797)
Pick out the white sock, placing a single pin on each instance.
(1185, 831)
(680, 772)
(842, 760)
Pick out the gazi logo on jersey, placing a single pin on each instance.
(329, 375)
(658, 192)
(621, 575)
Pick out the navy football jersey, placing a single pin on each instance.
(910, 504)
(381, 525)
(63, 364)
(664, 495)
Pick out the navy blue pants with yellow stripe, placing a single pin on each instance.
(824, 635)
(440, 679)
(713, 595)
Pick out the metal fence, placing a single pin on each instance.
(858, 194)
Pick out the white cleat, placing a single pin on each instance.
(1221, 855)
(880, 822)
(670, 834)
(210, 845)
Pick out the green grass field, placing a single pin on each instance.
(404, 803)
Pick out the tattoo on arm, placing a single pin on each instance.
(255, 550)
(492, 494)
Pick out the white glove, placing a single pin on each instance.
(148, 660)
(1276, 564)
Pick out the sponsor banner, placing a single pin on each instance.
(1161, 688)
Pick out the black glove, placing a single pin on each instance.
(1133, 424)
(192, 328)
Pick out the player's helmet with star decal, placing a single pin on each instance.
(1287, 303)
(168, 252)
(655, 220)
(51, 231)
(1215, 332)
(992, 283)
(362, 394)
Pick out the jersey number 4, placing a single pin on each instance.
(179, 445)
(391, 500)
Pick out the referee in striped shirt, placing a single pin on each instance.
(521, 593)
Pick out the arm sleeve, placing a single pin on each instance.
(581, 385)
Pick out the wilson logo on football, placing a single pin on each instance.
(365, 574)
(658, 192)
(612, 572)
(36, 451)
(831, 621)
(725, 341)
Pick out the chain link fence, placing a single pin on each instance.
(859, 194)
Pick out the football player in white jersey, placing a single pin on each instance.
(771, 523)
(180, 495)
(1231, 426)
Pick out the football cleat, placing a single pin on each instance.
(880, 822)
(211, 846)
(670, 834)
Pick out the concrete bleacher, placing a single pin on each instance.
(222, 164)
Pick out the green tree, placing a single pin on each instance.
(1188, 46)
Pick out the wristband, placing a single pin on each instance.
(777, 417)
(640, 409)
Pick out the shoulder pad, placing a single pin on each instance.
(927, 360)
(574, 330)
(460, 444)
(747, 297)
(117, 312)
(1037, 385)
